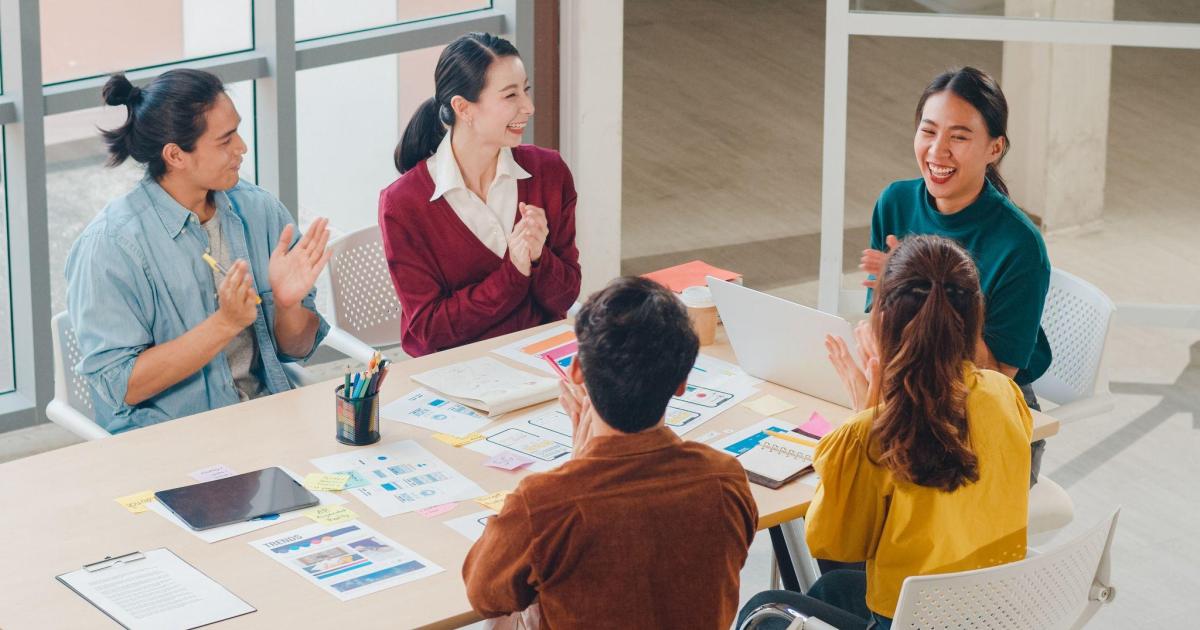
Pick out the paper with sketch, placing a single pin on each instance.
(155, 590)
(425, 409)
(237, 529)
(714, 386)
(529, 351)
(403, 476)
(542, 435)
(346, 560)
(471, 525)
(489, 385)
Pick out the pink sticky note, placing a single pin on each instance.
(437, 510)
(507, 461)
(816, 427)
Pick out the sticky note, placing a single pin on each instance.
(769, 405)
(136, 503)
(494, 500)
(453, 440)
(816, 427)
(330, 514)
(326, 482)
(437, 510)
(212, 473)
(507, 461)
(357, 480)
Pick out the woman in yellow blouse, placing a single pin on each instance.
(932, 476)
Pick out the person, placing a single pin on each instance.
(931, 476)
(479, 230)
(961, 137)
(639, 529)
(162, 333)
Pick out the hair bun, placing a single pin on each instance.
(119, 91)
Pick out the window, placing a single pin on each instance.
(324, 18)
(7, 359)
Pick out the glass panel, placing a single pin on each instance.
(79, 185)
(322, 18)
(344, 161)
(1101, 11)
(7, 360)
(84, 38)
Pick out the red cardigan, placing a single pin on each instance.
(454, 290)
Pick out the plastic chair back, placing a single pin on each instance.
(1076, 319)
(364, 301)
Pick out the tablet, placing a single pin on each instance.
(236, 499)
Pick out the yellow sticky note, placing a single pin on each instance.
(330, 514)
(769, 405)
(326, 482)
(454, 440)
(493, 501)
(136, 503)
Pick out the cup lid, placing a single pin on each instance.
(697, 297)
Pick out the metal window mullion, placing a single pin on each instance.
(833, 158)
(275, 101)
(391, 40)
(518, 26)
(25, 190)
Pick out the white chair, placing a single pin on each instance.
(1076, 319)
(1063, 588)
(71, 407)
(366, 312)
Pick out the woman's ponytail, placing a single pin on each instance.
(993, 175)
(421, 137)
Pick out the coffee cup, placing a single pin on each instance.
(703, 313)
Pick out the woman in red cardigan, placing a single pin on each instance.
(479, 230)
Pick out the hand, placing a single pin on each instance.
(868, 345)
(237, 302)
(518, 248)
(862, 387)
(873, 260)
(293, 270)
(536, 229)
(575, 402)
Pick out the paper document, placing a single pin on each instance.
(404, 477)
(346, 560)
(425, 409)
(471, 525)
(237, 529)
(714, 387)
(542, 435)
(489, 385)
(154, 590)
(529, 351)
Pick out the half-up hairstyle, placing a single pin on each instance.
(983, 93)
(461, 71)
(928, 314)
(169, 110)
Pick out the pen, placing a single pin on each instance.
(216, 266)
(791, 438)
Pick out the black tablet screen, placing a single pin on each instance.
(237, 498)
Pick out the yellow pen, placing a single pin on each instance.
(791, 438)
(216, 266)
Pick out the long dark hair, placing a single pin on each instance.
(461, 71)
(927, 317)
(169, 110)
(983, 93)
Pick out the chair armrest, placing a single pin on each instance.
(299, 376)
(348, 345)
(778, 611)
(69, 418)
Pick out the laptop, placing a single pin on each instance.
(781, 341)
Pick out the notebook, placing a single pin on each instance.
(775, 461)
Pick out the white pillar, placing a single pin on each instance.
(1058, 98)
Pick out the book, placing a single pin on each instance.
(776, 461)
(488, 385)
(691, 274)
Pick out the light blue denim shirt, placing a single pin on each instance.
(135, 278)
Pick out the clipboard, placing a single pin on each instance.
(196, 599)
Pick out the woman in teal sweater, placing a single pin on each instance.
(961, 136)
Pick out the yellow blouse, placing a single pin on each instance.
(862, 512)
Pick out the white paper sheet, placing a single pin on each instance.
(543, 435)
(237, 529)
(471, 525)
(403, 477)
(346, 560)
(526, 351)
(714, 386)
(156, 591)
(489, 385)
(425, 409)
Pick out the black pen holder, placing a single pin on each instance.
(357, 418)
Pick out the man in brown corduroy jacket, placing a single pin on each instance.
(639, 529)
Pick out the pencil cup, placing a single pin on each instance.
(357, 418)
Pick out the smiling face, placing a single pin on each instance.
(953, 149)
(504, 107)
(214, 161)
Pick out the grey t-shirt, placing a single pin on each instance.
(242, 351)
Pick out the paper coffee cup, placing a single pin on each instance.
(703, 313)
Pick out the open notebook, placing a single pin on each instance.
(776, 461)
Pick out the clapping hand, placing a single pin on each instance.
(873, 260)
(294, 269)
(863, 386)
(575, 402)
